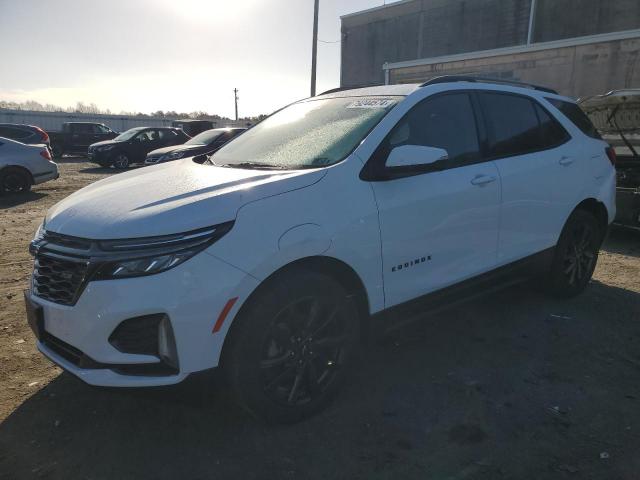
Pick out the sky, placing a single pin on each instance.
(182, 55)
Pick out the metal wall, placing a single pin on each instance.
(416, 29)
(53, 121)
(576, 71)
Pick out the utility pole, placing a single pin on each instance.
(235, 96)
(314, 49)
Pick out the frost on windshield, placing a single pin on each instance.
(308, 134)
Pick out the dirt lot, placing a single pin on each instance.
(516, 385)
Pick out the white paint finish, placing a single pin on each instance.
(281, 217)
(441, 215)
(173, 197)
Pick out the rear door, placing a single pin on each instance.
(82, 136)
(530, 149)
(440, 226)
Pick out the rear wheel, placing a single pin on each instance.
(121, 161)
(576, 255)
(14, 180)
(291, 346)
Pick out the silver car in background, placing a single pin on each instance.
(22, 166)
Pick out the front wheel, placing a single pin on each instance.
(576, 255)
(291, 346)
(121, 161)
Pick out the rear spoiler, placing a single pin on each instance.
(617, 113)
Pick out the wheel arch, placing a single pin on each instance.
(336, 269)
(18, 167)
(598, 210)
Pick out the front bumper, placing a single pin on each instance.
(101, 158)
(191, 295)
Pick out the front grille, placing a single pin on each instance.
(58, 280)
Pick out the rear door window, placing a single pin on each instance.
(577, 116)
(518, 125)
(14, 133)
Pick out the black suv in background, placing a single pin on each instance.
(133, 145)
(76, 137)
(29, 134)
(203, 143)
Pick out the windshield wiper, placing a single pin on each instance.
(253, 165)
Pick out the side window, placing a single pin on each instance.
(167, 135)
(82, 128)
(445, 121)
(512, 124)
(12, 133)
(577, 116)
(552, 133)
(100, 129)
(145, 136)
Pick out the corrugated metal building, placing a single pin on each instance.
(579, 47)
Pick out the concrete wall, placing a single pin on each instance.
(53, 120)
(417, 29)
(576, 71)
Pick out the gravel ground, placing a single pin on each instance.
(516, 385)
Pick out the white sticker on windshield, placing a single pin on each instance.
(371, 103)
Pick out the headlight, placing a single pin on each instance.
(173, 156)
(104, 148)
(146, 256)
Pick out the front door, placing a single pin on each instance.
(439, 226)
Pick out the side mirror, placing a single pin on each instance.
(415, 155)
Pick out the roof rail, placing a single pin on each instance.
(473, 78)
(353, 87)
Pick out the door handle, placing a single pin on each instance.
(482, 179)
(565, 161)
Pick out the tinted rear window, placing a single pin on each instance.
(513, 124)
(574, 113)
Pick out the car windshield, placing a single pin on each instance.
(129, 134)
(205, 138)
(308, 134)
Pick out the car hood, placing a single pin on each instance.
(174, 148)
(169, 198)
(104, 142)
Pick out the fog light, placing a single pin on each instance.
(167, 343)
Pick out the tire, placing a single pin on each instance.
(57, 151)
(291, 346)
(14, 180)
(120, 161)
(575, 256)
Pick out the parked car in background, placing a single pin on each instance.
(204, 143)
(277, 255)
(29, 134)
(76, 137)
(616, 116)
(22, 166)
(132, 146)
(192, 127)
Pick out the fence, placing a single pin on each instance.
(53, 121)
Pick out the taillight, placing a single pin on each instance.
(611, 153)
(45, 153)
(43, 135)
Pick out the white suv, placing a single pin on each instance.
(273, 258)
